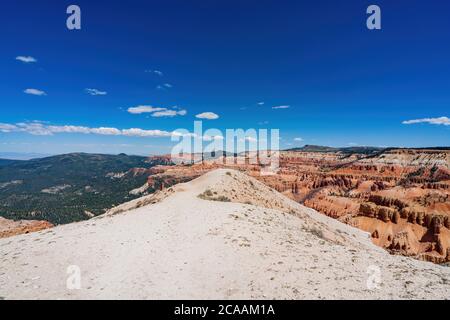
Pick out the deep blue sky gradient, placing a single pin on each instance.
(344, 84)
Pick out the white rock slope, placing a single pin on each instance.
(184, 246)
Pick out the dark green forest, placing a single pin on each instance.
(60, 189)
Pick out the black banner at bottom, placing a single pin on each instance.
(180, 310)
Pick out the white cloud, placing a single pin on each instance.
(42, 129)
(157, 72)
(164, 86)
(438, 121)
(144, 109)
(169, 113)
(207, 115)
(298, 139)
(26, 59)
(95, 92)
(35, 92)
(281, 107)
(106, 131)
(158, 112)
(136, 132)
(261, 103)
(5, 127)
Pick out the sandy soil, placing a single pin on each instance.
(177, 245)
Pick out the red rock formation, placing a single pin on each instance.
(402, 197)
(9, 228)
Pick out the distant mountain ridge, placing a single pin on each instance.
(22, 155)
(357, 149)
(5, 162)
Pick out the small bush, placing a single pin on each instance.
(204, 196)
(208, 195)
(317, 232)
(221, 199)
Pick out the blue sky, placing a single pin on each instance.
(343, 84)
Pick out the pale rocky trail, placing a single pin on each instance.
(177, 245)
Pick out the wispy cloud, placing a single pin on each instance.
(95, 92)
(261, 103)
(144, 109)
(437, 121)
(164, 86)
(169, 113)
(157, 72)
(6, 127)
(158, 112)
(281, 107)
(207, 116)
(38, 128)
(298, 139)
(42, 129)
(26, 59)
(35, 92)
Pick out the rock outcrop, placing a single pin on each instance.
(9, 228)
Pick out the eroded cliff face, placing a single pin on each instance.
(400, 196)
(9, 228)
